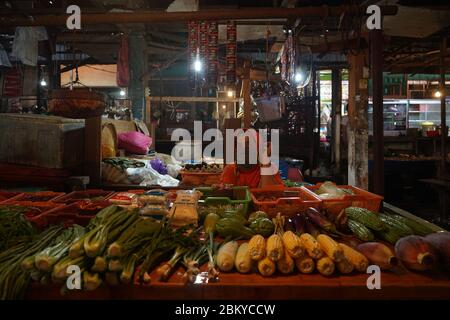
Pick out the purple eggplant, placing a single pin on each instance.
(300, 223)
(319, 220)
(311, 228)
(289, 225)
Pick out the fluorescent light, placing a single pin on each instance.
(197, 65)
(43, 83)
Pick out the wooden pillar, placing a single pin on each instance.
(376, 63)
(336, 105)
(137, 56)
(357, 121)
(92, 149)
(444, 132)
(246, 96)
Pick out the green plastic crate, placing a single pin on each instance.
(233, 196)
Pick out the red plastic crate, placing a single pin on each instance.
(197, 179)
(90, 194)
(40, 196)
(361, 198)
(70, 214)
(6, 195)
(298, 202)
(42, 208)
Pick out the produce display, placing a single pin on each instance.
(204, 167)
(136, 244)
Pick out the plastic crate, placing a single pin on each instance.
(361, 198)
(289, 200)
(6, 195)
(42, 208)
(196, 179)
(40, 196)
(233, 196)
(90, 195)
(73, 213)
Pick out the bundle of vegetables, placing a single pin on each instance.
(124, 163)
(14, 227)
(13, 281)
(45, 260)
(329, 190)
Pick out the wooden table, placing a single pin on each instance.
(398, 285)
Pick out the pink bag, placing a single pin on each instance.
(134, 142)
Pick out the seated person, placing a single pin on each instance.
(248, 174)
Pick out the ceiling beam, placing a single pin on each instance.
(162, 16)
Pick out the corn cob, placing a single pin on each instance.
(266, 267)
(366, 217)
(243, 261)
(257, 247)
(417, 227)
(311, 245)
(305, 264)
(357, 259)
(226, 255)
(286, 264)
(360, 230)
(344, 266)
(399, 226)
(330, 247)
(292, 244)
(325, 266)
(274, 248)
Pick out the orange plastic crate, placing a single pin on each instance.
(76, 196)
(6, 195)
(197, 179)
(37, 212)
(297, 201)
(40, 196)
(361, 198)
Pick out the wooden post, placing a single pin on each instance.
(246, 96)
(336, 105)
(357, 122)
(92, 149)
(444, 132)
(376, 62)
(137, 57)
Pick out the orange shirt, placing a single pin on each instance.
(250, 178)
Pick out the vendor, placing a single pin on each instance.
(248, 174)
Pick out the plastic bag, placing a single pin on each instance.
(158, 165)
(134, 142)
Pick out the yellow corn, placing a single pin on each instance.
(356, 258)
(286, 264)
(330, 247)
(325, 266)
(226, 255)
(305, 264)
(257, 247)
(292, 244)
(344, 266)
(266, 267)
(311, 246)
(274, 247)
(243, 262)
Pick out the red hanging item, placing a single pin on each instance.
(193, 43)
(213, 38)
(123, 68)
(231, 49)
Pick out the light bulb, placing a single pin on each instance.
(230, 94)
(43, 83)
(197, 65)
(298, 77)
(224, 106)
(122, 92)
(437, 94)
